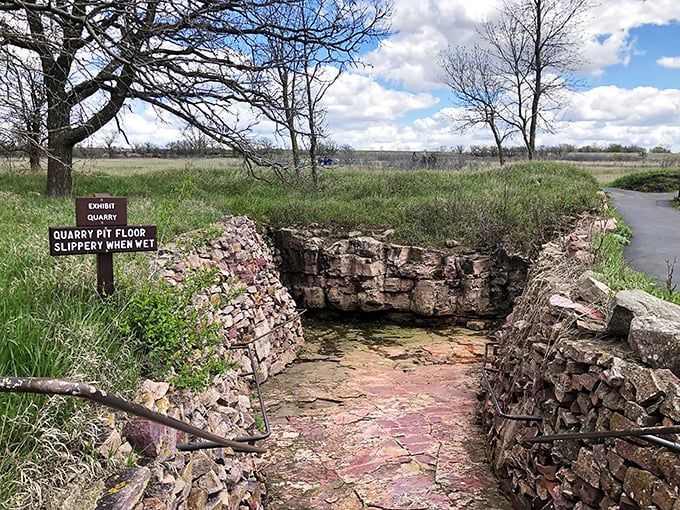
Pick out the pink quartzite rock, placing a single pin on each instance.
(629, 304)
(151, 439)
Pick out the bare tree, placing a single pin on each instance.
(201, 62)
(306, 70)
(516, 82)
(22, 105)
(537, 46)
(478, 90)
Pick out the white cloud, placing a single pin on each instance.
(643, 116)
(142, 125)
(671, 62)
(426, 28)
(422, 30)
(377, 109)
(358, 100)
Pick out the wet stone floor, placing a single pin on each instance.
(379, 417)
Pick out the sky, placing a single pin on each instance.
(630, 93)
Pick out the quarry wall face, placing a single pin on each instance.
(369, 274)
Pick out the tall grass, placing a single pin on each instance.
(52, 323)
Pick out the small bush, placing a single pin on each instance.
(173, 336)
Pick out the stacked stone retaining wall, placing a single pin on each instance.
(568, 354)
(212, 479)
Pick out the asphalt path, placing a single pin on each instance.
(655, 223)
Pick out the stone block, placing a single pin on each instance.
(657, 341)
(150, 439)
(587, 381)
(587, 468)
(638, 414)
(664, 497)
(669, 463)
(398, 284)
(313, 297)
(586, 493)
(643, 456)
(366, 247)
(371, 300)
(591, 290)
(629, 304)
(584, 403)
(125, 488)
(617, 465)
(611, 487)
(424, 297)
(398, 301)
(648, 387)
(640, 485)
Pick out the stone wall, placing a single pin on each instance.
(370, 274)
(214, 479)
(584, 360)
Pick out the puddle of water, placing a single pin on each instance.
(393, 341)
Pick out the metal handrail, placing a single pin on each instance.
(193, 446)
(44, 385)
(253, 373)
(49, 386)
(496, 403)
(646, 433)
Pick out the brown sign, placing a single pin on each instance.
(101, 210)
(109, 239)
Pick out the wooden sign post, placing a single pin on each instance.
(102, 229)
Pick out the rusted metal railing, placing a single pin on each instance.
(49, 386)
(45, 385)
(489, 369)
(648, 434)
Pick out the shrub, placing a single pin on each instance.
(172, 334)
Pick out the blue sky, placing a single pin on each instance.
(631, 96)
(651, 43)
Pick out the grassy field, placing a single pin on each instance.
(54, 325)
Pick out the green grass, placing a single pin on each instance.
(51, 325)
(657, 180)
(613, 269)
(514, 207)
(54, 325)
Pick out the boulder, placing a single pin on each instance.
(629, 304)
(656, 341)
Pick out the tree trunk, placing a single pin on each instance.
(34, 158)
(59, 166)
(538, 75)
(499, 142)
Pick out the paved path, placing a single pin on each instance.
(656, 231)
(379, 420)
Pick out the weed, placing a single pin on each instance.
(172, 333)
(259, 422)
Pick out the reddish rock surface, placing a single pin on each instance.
(382, 419)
